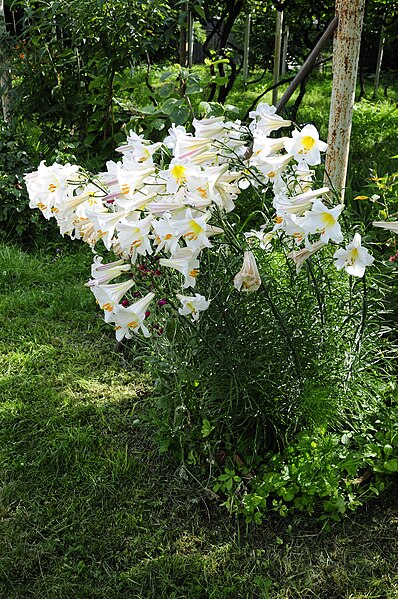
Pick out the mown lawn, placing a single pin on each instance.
(88, 506)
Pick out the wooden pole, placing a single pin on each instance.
(346, 48)
(308, 64)
(277, 54)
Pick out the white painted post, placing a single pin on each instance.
(380, 57)
(284, 52)
(246, 45)
(277, 54)
(190, 38)
(346, 46)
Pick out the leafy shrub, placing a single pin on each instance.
(326, 473)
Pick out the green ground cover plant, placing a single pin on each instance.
(88, 506)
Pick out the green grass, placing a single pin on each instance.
(88, 507)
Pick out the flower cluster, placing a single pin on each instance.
(163, 203)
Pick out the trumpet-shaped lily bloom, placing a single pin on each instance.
(193, 230)
(324, 221)
(50, 185)
(132, 237)
(390, 226)
(185, 261)
(248, 278)
(192, 305)
(354, 258)
(131, 319)
(177, 174)
(300, 256)
(138, 150)
(108, 296)
(165, 234)
(306, 146)
(266, 120)
(104, 273)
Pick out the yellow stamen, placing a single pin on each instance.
(194, 272)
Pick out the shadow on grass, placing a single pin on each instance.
(89, 508)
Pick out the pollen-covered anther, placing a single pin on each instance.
(191, 235)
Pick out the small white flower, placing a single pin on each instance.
(354, 258)
(192, 305)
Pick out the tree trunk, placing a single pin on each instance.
(277, 54)
(5, 75)
(183, 39)
(346, 47)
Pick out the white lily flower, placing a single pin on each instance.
(211, 128)
(178, 174)
(390, 226)
(266, 120)
(300, 256)
(131, 319)
(165, 234)
(294, 226)
(192, 305)
(138, 150)
(104, 224)
(266, 146)
(263, 238)
(306, 146)
(193, 230)
(299, 203)
(132, 237)
(248, 278)
(354, 258)
(324, 221)
(108, 296)
(186, 145)
(133, 179)
(50, 185)
(185, 261)
(104, 273)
